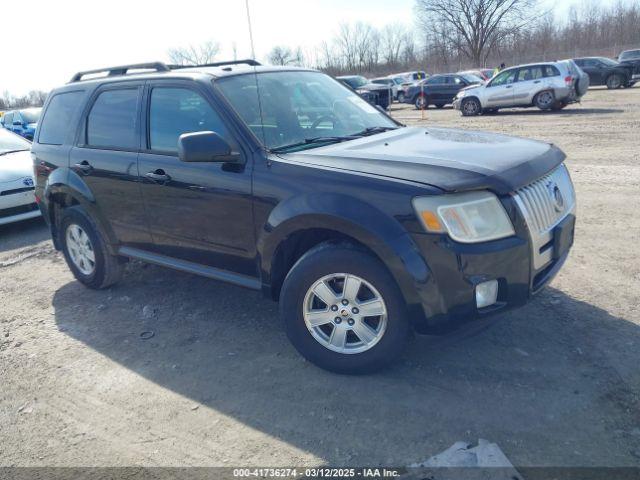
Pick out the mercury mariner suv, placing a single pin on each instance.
(283, 180)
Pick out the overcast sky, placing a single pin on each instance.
(55, 38)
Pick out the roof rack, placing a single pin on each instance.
(248, 61)
(122, 70)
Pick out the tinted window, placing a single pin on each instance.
(436, 81)
(175, 111)
(630, 55)
(112, 120)
(530, 73)
(57, 118)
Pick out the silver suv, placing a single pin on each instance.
(548, 86)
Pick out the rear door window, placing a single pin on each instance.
(530, 73)
(57, 119)
(113, 119)
(174, 111)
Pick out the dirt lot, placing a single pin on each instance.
(555, 383)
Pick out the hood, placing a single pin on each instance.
(14, 166)
(374, 86)
(452, 160)
(473, 86)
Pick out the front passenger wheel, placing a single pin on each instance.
(343, 310)
(470, 107)
(85, 250)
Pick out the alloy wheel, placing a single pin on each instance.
(345, 313)
(80, 249)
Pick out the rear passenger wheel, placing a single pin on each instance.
(343, 310)
(400, 97)
(85, 251)
(422, 103)
(545, 100)
(470, 107)
(614, 81)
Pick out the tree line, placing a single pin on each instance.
(451, 35)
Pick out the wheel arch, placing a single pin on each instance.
(300, 224)
(62, 192)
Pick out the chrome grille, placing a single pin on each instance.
(542, 210)
(540, 201)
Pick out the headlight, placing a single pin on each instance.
(467, 217)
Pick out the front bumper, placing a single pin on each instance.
(522, 264)
(17, 202)
(456, 103)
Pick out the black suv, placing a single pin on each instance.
(285, 181)
(604, 71)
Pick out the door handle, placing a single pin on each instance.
(509, 86)
(84, 166)
(537, 81)
(158, 176)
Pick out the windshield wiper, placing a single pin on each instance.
(373, 130)
(14, 151)
(310, 141)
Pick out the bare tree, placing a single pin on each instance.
(477, 24)
(195, 54)
(281, 55)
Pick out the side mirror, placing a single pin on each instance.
(205, 147)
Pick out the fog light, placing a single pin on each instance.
(486, 293)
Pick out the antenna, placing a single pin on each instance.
(253, 51)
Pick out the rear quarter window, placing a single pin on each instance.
(551, 71)
(56, 122)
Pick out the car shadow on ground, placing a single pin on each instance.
(565, 111)
(554, 383)
(23, 234)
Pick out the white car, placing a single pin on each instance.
(548, 86)
(17, 198)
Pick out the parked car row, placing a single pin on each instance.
(23, 122)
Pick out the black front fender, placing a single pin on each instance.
(353, 218)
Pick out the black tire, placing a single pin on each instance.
(327, 259)
(470, 107)
(559, 105)
(400, 97)
(614, 81)
(419, 102)
(107, 269)
(440, 105)
(545, 100)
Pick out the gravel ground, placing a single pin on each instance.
(556, 383)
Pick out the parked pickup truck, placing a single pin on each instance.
(363, 229)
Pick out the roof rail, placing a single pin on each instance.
(248, 61)
(122, 70)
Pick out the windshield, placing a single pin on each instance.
(471, 78)
(10, 142)
(608, 61)
(30, 116)
(295, 107)
(354, 82)
(630, 55)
